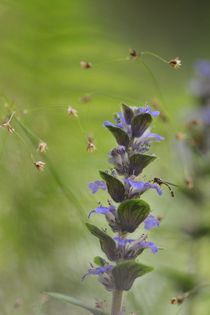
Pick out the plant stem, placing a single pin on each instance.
(116, 302)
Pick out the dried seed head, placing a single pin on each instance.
(42, 147)
(85, 65)
(181, 136)
(85, 99)
(18, 303)
(101, 304)
(194, 122)
(91, 146)
(175, 63)
(133, 53)
(72, 112)
(9, 127)
(40, 165)
(178, 299)
(189, 182)
(156, 104)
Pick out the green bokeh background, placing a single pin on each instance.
(44, 245)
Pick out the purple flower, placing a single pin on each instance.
(95, 186)
(123, 241)
(147, 109)
(142, 144)
(103, 210)
(202, 67)
(151, 245)
(151, 222)
(135, 245)
(98, 271)
(119, 158)
(141, 187)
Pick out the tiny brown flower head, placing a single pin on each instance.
(18, 303)
(156, 104)
(72, 112)
(189, 182)
(91, 146)
(40, 165)
(7, 124)
(180, 136)
(175, 63)
(133, 53)
(194, 123)
(9, 127)
(85, 98)
(178, 299)
(42, 147)
(85, 65)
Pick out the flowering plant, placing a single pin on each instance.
(126, 210)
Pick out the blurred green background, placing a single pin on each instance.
(44, 245)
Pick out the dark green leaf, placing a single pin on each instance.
(124, 274)
(71, 300)
(140, 123)
(138, 162)
(108, 245)
(128, 113)
(131, 213)
(114, 186)
(120, 135)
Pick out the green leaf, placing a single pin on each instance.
(128, 113)
(138, 162)
(124, 274)
(131, 213)
(71, 300)
(120, 135)
(140, 123)
(108, 245)
(114, 186)
(99, 261)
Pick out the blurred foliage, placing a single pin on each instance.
(44, 245)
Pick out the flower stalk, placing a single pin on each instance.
(117, 297)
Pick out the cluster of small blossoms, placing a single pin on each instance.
(125, 210)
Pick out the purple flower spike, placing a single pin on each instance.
(151, 245)
(151, 222)
(95, 186)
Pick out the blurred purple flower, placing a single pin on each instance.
(151, 245)
(95, 186)
(151, 222)
(98, 271)
(103, 210)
